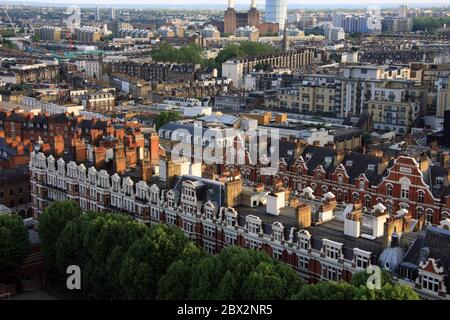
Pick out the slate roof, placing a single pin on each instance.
(437, 240)
(360, 164)
(318, 155)
(206, 190)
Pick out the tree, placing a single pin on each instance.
(107, 234)
(14, 243)
(188, 54)
(166, 117)
(387, 292)
(234, 273)
(176, 282)
(52, 223)
(327, 290)
(360, 278)
(149, 258)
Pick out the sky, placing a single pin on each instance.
(218, 3)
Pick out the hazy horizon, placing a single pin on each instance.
(223, 3)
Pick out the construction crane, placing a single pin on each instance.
(13, 25)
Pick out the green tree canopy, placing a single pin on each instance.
(148, 259)
(188, 54)
(166, 117)
(14, 243)
(235, 273)
(52, 223)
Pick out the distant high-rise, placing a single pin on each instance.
(112, 13)
(403, 11)
(276, 12)
(97, 14)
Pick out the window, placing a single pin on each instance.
(171, 219)
(340, 179)
(362, 262)
(420, 196)
(304, 243)
(252, 244)
(405, 192)
(362, 184)
(277, 254)
(429, 217)
(332, 252)
(209, 231)
(389, 207)
(419, 212)
(303, 263)
(355, 197)
(389, 190)
(331, 273)
(253, 228)
(367, 202)
(230, 239)
(430, 283)
(209, 247)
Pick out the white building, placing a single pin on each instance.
(51, 108)
(90, 68)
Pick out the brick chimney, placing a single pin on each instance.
(303, 215)
(58, 145)
(233, 190)
(99, 157)
(146, 169)
(119, 159)
(154, 147)
(79, 150)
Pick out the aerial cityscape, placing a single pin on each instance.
(225, 150)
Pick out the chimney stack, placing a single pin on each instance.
(119, 159)
(303, 216)
(146, 168)
(352, 223)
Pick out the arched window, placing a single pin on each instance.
(420, 196)
(389, 208)
(355, 197)
(429, 216)
(362, 184)
(368, 202)
(405, 184)
(419, 212)
(389, 189)
(340, 179)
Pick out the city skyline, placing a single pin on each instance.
(238, 3)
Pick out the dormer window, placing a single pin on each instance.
(349, 163)
(362, 184)
(253, 228)
(230, 221)
(439, 181)
(340, 179)
(371, 167)
(308, 156)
